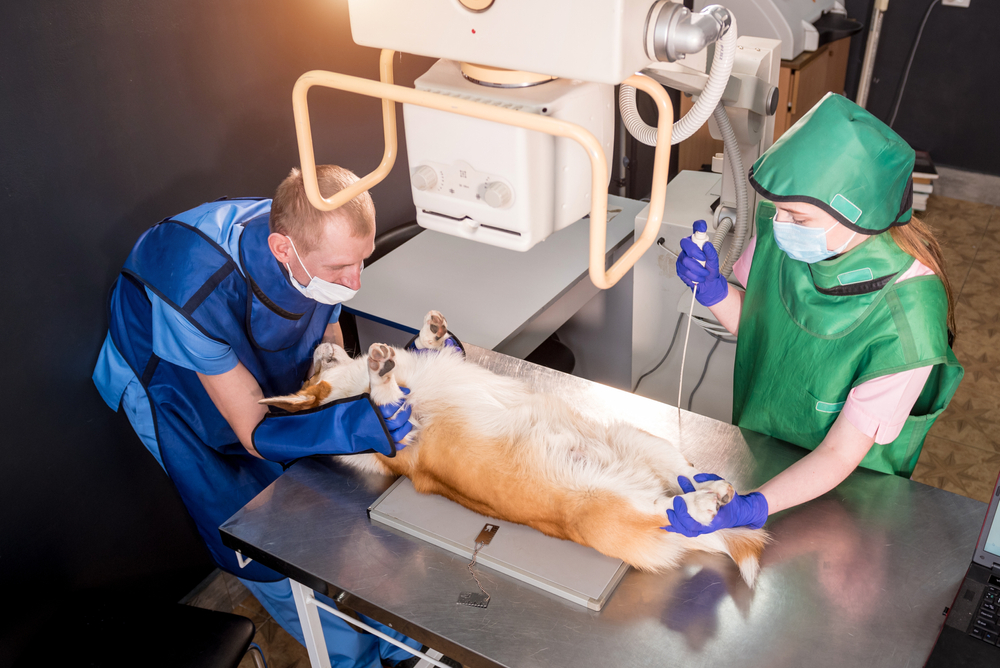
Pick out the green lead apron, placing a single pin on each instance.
(809, 333)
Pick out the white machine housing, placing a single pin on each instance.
(790, 21)
(496, 183)
(756, 69)
(591, 40)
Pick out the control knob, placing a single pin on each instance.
(424, 178)
(498, 194)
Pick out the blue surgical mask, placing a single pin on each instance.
(805, 244)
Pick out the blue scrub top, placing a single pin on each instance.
(175, 339)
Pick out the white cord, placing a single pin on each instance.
(687, 335)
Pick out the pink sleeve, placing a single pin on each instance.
(742, 267)
(879, 407)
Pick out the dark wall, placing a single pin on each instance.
(950, 101)
(116, 114)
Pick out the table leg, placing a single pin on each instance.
(312, 629)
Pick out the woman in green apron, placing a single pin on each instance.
(843, 329)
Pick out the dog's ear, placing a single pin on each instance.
(292, 402)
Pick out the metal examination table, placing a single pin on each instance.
(858, 577)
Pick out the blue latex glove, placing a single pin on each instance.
(742, 511)
(451, 342)
(398, 422)
(712, 287)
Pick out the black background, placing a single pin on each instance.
(949, 106)
(116, 114)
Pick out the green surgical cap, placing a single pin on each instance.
(844, 160)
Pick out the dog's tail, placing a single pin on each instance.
(745, 547)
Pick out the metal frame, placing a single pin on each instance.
(391, 93)
(312, 629)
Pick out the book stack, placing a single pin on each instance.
(924, 176)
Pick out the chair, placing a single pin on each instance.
(123, 631)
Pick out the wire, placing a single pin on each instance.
(909, 62)
(677, 328)
(687, 336)
(718, 339)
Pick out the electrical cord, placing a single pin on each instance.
(718, 340)
(677, 329)
(687, 337)
(909, 62)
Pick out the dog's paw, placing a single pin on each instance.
(381, 362)
(326, 356)
(435, 330)
(702, 505)
(720, 488)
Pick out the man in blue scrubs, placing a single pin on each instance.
(218, 307)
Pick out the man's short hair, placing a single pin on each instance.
(293, 215)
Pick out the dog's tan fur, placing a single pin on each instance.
(492, 445)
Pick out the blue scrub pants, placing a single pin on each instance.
(348, 648)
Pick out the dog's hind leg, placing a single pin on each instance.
(433, 333)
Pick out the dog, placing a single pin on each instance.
(496, 447)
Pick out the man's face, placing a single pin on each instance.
(337, 258)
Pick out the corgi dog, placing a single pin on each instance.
(495, 446)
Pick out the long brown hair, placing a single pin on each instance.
(917, 239)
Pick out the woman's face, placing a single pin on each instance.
(809, 215)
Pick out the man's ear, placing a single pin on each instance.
(280, 247)
(292, 402)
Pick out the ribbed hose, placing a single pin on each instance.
(735, 159)
(718, 78)
(725, 225)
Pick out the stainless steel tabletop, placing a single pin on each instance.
(858, 577)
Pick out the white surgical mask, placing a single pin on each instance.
(319, 290)
(805, 244)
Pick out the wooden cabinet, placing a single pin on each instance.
(801, 84)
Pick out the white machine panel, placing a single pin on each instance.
(790, 21)
(591, 40)
(496, 183)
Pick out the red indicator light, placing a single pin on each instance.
(473, 31)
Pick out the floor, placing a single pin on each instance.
(221, 591)
(962, 451)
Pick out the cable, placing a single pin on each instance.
(718, 339)
(680, 383)
(677, 328)
(909, 62)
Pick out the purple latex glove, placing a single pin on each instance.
(450, 342)
(712, 287)
(397, 419)
(742, 511)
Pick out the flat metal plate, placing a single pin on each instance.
(561, 567)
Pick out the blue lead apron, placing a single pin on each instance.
(269, 325)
